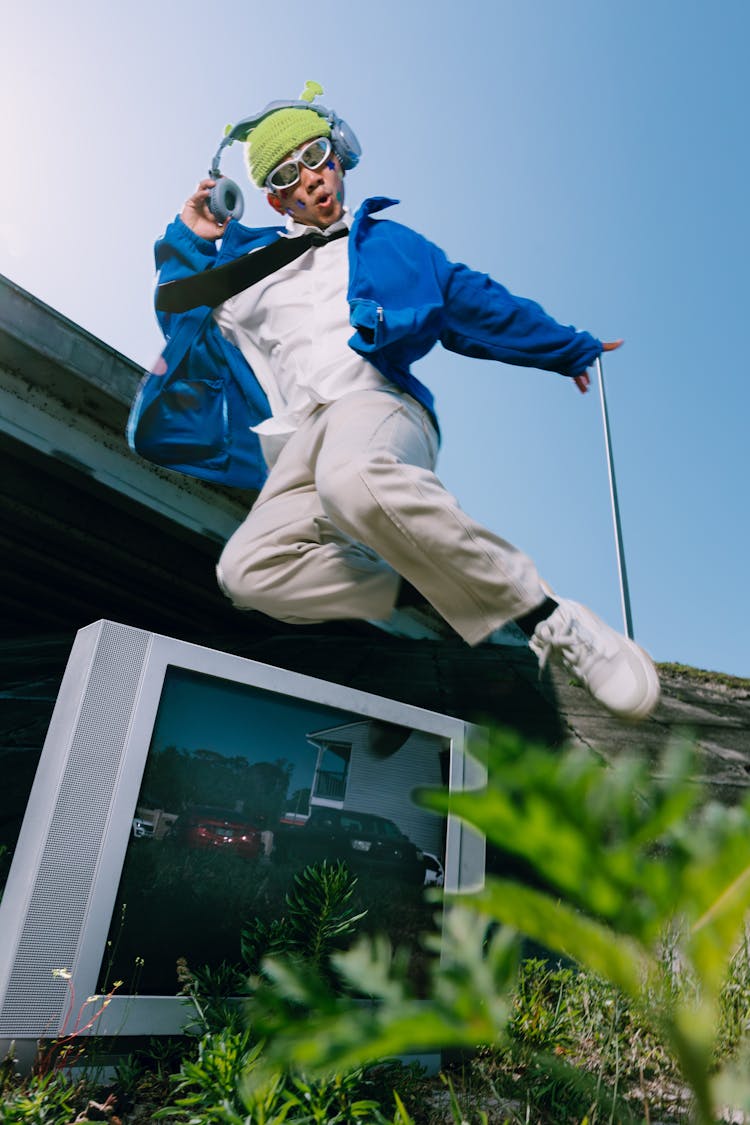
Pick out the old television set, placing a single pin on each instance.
(178, 792)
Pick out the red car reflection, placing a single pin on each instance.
(218, 828)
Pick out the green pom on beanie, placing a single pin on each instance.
(311, 91)
(281, 132)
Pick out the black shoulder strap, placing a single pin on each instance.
(214, 286)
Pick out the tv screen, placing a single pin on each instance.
(179, 792)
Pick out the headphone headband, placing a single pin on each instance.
(226, 198)
(344, 141)
(242, 130)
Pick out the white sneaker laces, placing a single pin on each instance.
(574, 643)
(612, 668)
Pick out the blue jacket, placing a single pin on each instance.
(404, 296)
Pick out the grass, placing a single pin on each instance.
(704, 677)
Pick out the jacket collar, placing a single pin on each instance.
(240, 239)
(375, 203)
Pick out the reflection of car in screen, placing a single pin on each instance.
(142, 828)
(434, 876)
(367, 842)
(205, 827)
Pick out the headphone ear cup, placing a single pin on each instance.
(345, 143)
(225, 201)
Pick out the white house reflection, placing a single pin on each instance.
(243, 788)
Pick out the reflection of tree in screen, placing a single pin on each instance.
(299, 802)
(175, 779)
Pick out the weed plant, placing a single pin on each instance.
(46, 1099)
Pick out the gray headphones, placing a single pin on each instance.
(226, 202)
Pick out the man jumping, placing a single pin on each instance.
(352, 520)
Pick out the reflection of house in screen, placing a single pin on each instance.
(229, 760)
(373, 767)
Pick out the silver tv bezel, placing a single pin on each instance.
(63, 881)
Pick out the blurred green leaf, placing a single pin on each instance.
(630, 857)
(468, 1001)
(564, 930)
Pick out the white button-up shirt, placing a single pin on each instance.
(292, 328)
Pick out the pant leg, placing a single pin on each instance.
(353, 502)
(375, 480)
(290, 561)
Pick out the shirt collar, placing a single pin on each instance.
(295, 229)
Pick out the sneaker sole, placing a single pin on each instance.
(652, 691)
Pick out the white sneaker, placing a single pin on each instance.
(618, 673)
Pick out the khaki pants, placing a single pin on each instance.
(351, 503)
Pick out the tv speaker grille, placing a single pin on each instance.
(36, 1000)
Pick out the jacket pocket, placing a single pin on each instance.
(366, 317)
(377, 327)
(184, 421)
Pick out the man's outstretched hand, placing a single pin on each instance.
(196, 214)
(583, 381)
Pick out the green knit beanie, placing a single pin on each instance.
(281, 132)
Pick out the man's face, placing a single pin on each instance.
(317, 199)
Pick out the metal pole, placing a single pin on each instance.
(622, 572)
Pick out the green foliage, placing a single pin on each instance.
(378, 1083)
(144, 1074)
(468, 1000)
(230, 1081)
(703, 676)
(633, 858)
(640, 885)
(131, 1075)
(320, 918)
(43, 1099)
(207, 1087)
(334, 1101)
(212, 1089)
(734, 1016)
(627, 855)
(262, 939)
(214, 991)
(575, 1048)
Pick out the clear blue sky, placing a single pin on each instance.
(589, 154)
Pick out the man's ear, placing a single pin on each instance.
(276, 203)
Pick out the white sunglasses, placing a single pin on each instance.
(312, 154)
